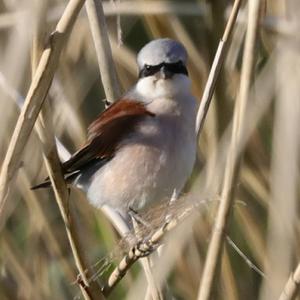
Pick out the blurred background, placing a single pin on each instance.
(35, 257)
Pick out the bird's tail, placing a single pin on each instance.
(45, 184)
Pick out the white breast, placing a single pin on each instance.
(153, 161)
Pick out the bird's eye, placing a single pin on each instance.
(149, 70)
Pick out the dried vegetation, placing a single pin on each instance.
(234, 234)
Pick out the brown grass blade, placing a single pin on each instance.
(35, 97)
(233, 161)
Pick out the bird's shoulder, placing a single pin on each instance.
(107, 131)
(124, 111)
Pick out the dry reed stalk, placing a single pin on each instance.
(89, 290)
(284, 171)
(292, 286)
(153, 292)
(155, 8)
(244, 257)
(261, 97)
(216, 67)
(103, 50)
(229, 281)
(233, 160)
(35, 97)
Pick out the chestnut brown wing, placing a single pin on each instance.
(106, 132)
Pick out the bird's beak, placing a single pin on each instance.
(165, 73)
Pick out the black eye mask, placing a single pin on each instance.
(175, 68)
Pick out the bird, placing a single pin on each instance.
(142, 148)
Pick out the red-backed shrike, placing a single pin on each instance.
(143, 146)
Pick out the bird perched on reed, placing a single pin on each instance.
(143, 147)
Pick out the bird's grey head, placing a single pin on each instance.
(165, 57)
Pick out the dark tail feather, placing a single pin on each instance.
(44, 184)
(47, 183)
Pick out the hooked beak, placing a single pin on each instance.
(165, 73)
